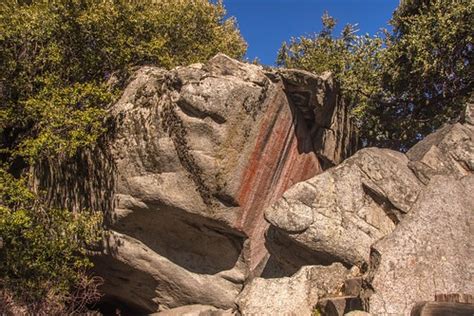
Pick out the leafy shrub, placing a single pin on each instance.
(42, 261)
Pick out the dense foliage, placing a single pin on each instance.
(406, 83)
(43, 261)
(57, 59)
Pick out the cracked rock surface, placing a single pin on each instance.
(407, 220)
(340, 213)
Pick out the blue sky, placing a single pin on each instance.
(265, 24)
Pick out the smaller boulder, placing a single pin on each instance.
(296, 295)
(448, 151)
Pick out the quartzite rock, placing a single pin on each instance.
(339, 214)
(429, 252)
(296, 295)
(194, 157)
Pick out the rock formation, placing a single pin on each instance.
(227, 190)
(339, 214)
(430, 252)
(193, 158)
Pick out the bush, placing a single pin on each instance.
(42, 261)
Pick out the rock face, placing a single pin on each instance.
(448, 151)
(296, 295)
(195, 156)
(334, 138)
(430, 252)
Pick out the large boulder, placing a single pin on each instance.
(193, 158)
(336, 216)
(448, 151)
(430, 252)
(296, 295)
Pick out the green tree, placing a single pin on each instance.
(428, 69)
(68, 49)
(406, 84)
(57, 59)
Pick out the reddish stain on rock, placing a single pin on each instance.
(282, 156)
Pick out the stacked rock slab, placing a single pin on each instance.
(193, 158)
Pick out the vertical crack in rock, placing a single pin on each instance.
(317, 99)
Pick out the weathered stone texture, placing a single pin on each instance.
(334, 136)
(227, 189)
(412, 213)
(448, 151)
